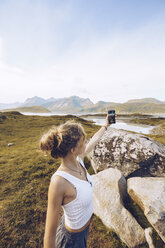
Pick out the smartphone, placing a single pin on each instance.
(111, 116)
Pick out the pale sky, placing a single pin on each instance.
(109, 50)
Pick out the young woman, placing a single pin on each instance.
(70, 186)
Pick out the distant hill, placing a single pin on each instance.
(129, 107)
(32, 109)
(76, 104)
(141, 108)
(70, 104)
(9, 105)
(145, 100)
(34, 101)
(100, 107)
(37, 101)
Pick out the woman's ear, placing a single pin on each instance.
(72, 150)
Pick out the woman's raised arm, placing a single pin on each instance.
(96, 137)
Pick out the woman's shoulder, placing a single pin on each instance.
(57, 185)
(56, 192)
(57, 178)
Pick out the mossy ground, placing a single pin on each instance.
(24, 179)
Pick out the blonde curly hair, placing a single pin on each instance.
(59, 140)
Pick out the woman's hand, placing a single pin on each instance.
(106, 122)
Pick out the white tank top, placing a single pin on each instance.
(79, 211)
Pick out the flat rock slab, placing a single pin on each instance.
(109, 192)
(129, 153)
(149, 194)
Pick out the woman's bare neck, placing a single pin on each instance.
(70, 161)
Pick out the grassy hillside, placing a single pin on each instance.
(31, 109)
(24, 179)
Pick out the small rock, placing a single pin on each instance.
(3, 117)
(148, 235)
(10, 144)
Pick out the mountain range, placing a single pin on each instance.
(75, 104)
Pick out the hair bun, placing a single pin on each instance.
(51, 140)
(57, 139)
(60, 140)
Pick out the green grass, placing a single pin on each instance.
(24, 179)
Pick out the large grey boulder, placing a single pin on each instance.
(130, 153)
(109, 192)
(149, 194)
